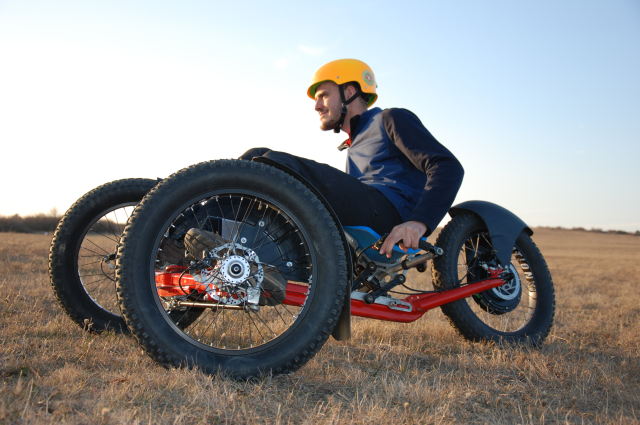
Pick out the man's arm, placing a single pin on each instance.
(444, 176)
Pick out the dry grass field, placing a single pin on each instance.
(587, 371)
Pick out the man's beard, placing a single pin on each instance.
(332, 122)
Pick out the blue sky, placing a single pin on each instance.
(540, 100)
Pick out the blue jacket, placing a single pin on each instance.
(392, 151)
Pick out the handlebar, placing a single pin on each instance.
(424, 245)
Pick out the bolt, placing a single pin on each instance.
(289, 264)
(243, 240)
(261, 223)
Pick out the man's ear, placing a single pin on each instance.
(349, 92)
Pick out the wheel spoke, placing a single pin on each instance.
(261, 219)
(266, 232)
(101, 290)
(98, 246)
(115, 240)
(257, 328)
(93, 262)
(506, 309)
(272, 234)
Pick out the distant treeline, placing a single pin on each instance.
(595, 230)
(38, 223)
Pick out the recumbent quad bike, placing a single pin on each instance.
(241, 267)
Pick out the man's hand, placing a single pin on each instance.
(410, 234)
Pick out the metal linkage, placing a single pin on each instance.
(408, 263)
(375, 272)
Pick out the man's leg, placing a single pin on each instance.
(355, 203)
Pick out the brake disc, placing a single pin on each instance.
(504, 298)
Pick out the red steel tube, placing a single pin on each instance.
(427, 303)
(421, 302)
(297, 294)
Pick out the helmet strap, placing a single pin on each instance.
(345, 103)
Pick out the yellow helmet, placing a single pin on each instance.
(343, 71)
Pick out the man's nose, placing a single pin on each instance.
(319, 105)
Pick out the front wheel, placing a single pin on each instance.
(520, 311)
(261, 262)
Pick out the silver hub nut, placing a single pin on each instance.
(235, 269)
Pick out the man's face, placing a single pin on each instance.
(328, 105)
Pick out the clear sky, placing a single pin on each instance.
(540, 100)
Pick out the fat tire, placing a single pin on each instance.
(139, 300)
(67, 240)
(460, 314)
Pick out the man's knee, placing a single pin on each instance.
(292, 162)
(254, 152)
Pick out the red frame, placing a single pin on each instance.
(173, 282)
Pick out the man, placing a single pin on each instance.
(398, 179)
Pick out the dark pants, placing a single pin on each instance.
(355, 203)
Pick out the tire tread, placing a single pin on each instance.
(168, 186)
(65, 241)
(468, 325)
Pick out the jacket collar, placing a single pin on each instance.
(356, 123)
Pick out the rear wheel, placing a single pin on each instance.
(521, 310)
(249, 230)
(82, 257)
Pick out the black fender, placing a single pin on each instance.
(503, 225)
(342, 331)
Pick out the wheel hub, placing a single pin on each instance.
(234, 269)
(237, 277)
(511, 289)
(504, 298)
